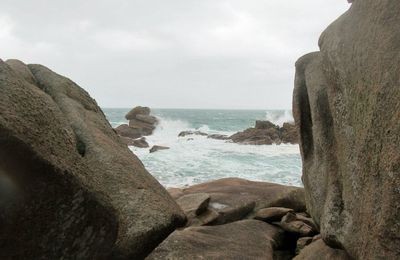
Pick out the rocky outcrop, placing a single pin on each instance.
(141, 120)
(141, 123)
(266, 133)
(70, 188)
(140, 142)
(346, 104)
(246, 239)
(186, 133)
(234, 199)
(156, 148)
(222, 205)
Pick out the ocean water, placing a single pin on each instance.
(197, 159)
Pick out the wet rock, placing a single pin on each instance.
(140, 143)
(218, 137)
(74, 175)
(246, 239)
(156, 148)
(272, 214)
(266, 133)
(186, 133)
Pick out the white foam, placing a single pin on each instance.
(195, 159)
(279, 117)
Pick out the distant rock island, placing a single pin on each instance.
(264, 133)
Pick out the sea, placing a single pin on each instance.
(197, 159)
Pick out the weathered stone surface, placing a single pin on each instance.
(126, 131)
(302, 243)
(346, 104)
(140, 143)
(194, 204)
(142, 127)
(77, 191)
(147, 119)
(22, 70)
(292, 224)
(175, 192)
(137, 111)
(207, 217)
(272, 214)
(246, 239)
(235, 198)
(156, 148)
(318, 250)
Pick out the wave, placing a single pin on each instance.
(279, 117)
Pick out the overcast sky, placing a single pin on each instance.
(170, 53)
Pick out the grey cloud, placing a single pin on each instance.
(177, 53)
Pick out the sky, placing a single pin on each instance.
(236, 54)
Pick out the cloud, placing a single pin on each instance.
(177, 53)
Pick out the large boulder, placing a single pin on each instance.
(346, 104)
(246, 239)
(72, 189)
(144, 111)
(234, 199)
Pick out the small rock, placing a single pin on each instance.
(272, 214)
(141, 143)
(194, 204)
(156, 148)
(303, 242)
(205, 218)
(292, 224)
(137, 111)
(126, 131)
(218, 137)
(185, 133)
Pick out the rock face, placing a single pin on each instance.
(266, 133)
(246, 239)
(234, 199)
(73, 189)
(346, 104)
